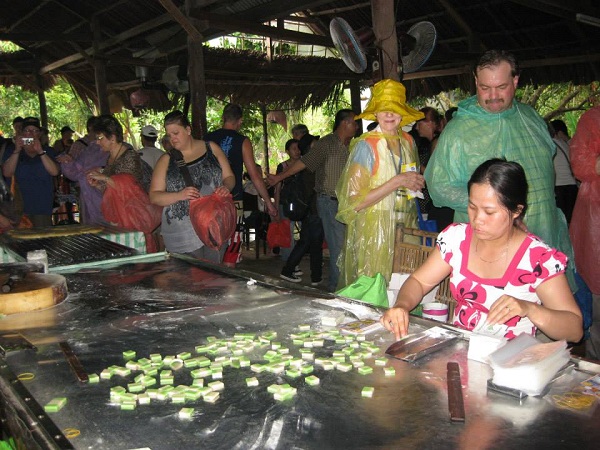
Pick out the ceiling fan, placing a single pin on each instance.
(415, 46)
(175, 81)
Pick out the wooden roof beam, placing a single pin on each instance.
(46, 37)
(475, 43)
(561, 8)
(115, 40)
(230, 25)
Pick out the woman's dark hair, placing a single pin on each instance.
(290, 142)
(432, 115)
(508, 180)
(109, 127)
(177, 118)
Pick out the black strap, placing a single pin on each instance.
(185, 173)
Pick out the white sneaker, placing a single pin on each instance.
(293, 278)
(298, 272)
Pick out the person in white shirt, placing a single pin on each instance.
(565, 184)
(149, 152)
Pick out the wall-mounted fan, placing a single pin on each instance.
(348, 45)
(175, 81)
(416, 45)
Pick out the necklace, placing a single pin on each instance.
(117, 155)
(503, 255)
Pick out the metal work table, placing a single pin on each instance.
(171, 306)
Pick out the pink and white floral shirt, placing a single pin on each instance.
(534, 263)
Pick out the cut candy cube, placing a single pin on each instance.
(368, 391)
(186, 413)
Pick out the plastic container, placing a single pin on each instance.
(38, 256)
(436, 311)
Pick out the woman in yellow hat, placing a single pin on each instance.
(378, 185)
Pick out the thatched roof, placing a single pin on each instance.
(552, 39)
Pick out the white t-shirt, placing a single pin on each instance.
(562, 166)
(150, 155)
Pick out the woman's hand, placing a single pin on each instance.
(507, 307)
(396, 320)
(64, 158)
(189, 193)
(95, 175)
(222, 191)
(413, 181)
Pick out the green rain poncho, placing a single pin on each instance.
(517, 134)
(369, 246)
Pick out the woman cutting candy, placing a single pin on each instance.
(501, 276)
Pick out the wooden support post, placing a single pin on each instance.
(197, 96)
(100, 70)
(263, 109)
(42, 100)
(197, 87)
(384, 27)
(355, 102)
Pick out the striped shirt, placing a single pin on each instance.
(327, 159)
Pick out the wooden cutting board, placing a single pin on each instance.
(35, 291)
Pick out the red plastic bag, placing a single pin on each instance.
(213, 218)
(278, 234)
(127, 205)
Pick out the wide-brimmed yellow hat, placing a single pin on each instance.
(390, 95)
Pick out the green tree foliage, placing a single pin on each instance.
(64, 108)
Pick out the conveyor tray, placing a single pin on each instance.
(67, 250)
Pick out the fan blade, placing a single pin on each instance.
(348, 45)
(424, 36)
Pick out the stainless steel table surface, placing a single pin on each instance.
(171, 306)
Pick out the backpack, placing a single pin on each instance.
(293, 198)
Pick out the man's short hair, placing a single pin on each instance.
(340, 116)
(493, 58)
(18, 119)
(300, 128)
(232, 113)
(559, 125)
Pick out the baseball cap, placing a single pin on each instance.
(31, 121)
(149, 131)
(66, 129)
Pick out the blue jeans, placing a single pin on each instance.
(334, 235)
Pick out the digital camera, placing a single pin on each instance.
(27, 141)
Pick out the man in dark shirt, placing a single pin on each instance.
(327, 159)
(239, 152)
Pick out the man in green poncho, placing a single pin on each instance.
(492, 125)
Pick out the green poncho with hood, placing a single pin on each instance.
(517, 134)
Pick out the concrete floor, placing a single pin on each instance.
(271, 264)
